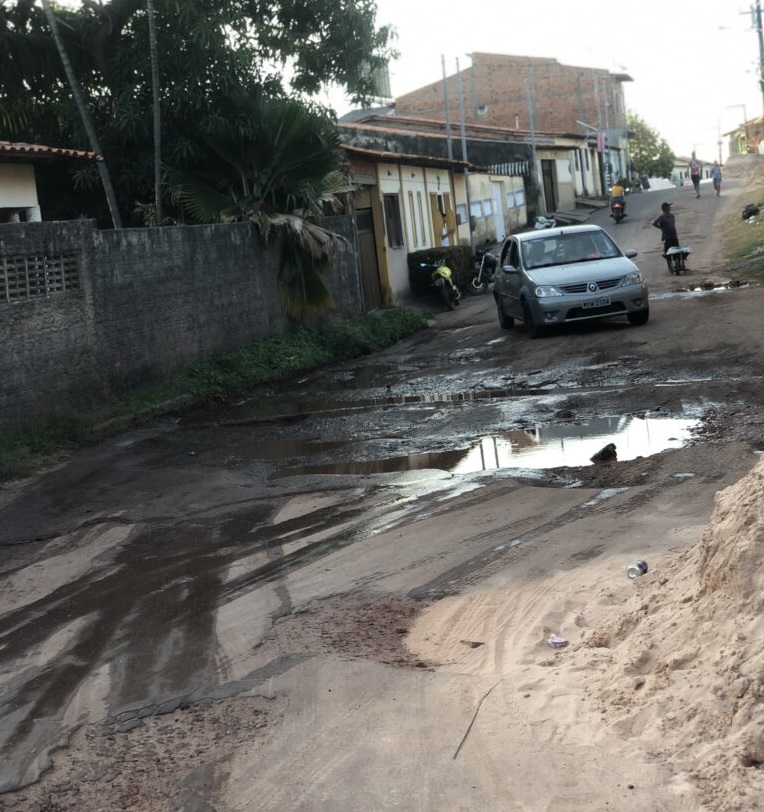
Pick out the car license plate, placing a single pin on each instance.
(603, 302)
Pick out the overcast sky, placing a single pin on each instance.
(687, 71)
(694, 63)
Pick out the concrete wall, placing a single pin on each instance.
(106, 310)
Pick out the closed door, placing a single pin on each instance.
(367, 253)
(550, 198)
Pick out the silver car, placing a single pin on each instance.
(568, 274)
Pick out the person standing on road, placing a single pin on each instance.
(666, 222)
(716, 177)
(695, 170)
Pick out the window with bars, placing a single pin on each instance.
(37, 276)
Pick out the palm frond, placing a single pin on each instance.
(204, 203)
(301, 283)
(316, 242)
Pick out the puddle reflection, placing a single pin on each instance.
(574, 445)
(567, 445)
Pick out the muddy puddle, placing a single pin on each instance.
(540, 447)
(302, 405)
(700, 289)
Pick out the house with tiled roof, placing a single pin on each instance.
(19, 164)
(403, 202)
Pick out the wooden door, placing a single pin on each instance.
(367, 254)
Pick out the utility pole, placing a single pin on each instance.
(157, 119)
(600, 139)
(448, 111)
(760, 35)
(534, 160)
(464, 155)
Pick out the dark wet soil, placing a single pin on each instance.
(133, 547)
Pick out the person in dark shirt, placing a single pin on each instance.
(666, 222)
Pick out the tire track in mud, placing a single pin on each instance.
(480, 566)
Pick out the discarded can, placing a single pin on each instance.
(636, 569)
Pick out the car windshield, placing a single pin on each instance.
(565, 249)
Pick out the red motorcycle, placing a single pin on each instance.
(617, 212)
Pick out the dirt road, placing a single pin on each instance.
(337, 594)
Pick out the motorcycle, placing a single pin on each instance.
(443, 283)
(617, 212)
(485, 271)
(544, 222)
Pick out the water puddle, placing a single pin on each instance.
(363, 377)
(298, 406)
(700, 289)
(541, 447)
(265, 449)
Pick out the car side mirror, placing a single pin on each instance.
(630, 254)
(509, 269)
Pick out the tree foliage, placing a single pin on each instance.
(650, 154)
(208, 51)
(277, 164)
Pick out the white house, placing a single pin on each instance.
(18, 187)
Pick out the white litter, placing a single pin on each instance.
(556, 642)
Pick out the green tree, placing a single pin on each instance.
(276, 163)
(650, 154)
(82, 108)
(207, 49)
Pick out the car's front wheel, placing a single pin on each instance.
(639, 318)
(533, 329)
(507, 322)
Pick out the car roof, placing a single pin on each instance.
(535, 234)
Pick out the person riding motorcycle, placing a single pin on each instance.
(617, 195)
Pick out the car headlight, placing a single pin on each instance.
(544, 291)
(633, 278)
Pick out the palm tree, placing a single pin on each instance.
(87, 122)
(276, 163)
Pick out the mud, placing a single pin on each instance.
(173, 596)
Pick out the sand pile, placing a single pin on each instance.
(682, 668)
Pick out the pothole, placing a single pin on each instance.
(539, 447)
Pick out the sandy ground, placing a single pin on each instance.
(409, 669)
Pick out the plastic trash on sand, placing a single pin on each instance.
(555, 641)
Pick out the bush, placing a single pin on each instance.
(458, 258)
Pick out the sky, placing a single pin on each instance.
(695, 65)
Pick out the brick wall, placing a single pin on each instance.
(500, 84)
(134, 306)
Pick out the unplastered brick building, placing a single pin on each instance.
(526, 93)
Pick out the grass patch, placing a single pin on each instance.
(743, 241)
(24, 448)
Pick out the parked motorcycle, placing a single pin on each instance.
(544, 222)
(443, 283)
(617, 212)
(484, 273)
